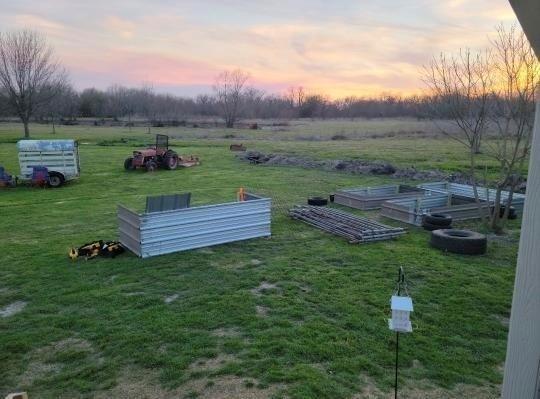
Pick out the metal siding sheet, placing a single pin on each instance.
(165, 247)
(162, 203)
(182, 229)
(484, 193)
(366, 198)
(412, 210)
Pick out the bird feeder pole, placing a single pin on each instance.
(401, 307)
(401, 279)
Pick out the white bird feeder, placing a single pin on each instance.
(401, 308)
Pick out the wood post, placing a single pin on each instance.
(522, 366)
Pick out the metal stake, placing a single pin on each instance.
(397, 351)
(400, 281)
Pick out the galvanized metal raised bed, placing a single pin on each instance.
(158, 233)
(411, 210)
(366, 198)
(485, 194)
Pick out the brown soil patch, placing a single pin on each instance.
(38, 370)
(263, 287)
(171, 298)
(212, 364)
(12, 308)
(425, 390)
(135, 293)
(40, 362)
(138, 384)
(261, 310)
(505, 321)
(226, 332)
(72, 344)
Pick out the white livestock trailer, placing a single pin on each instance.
(60, 157)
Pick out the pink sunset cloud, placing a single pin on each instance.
(346, 48)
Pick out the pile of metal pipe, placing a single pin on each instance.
(355, 229)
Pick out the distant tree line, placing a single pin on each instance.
(129, 103)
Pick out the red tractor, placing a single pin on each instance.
(159, 156)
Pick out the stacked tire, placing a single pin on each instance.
(459, 241)
(436, 221)
(317, 201)
(512, 215)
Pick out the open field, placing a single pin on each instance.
(299, 315)
(401, 141)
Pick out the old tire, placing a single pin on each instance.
(431, 227)
(438, 219)
(459, 241)
(56, 179)
(511, 212)
(170, 161)
(150, 166)
(317, 201)
(128, 164)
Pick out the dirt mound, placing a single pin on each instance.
(355, 166)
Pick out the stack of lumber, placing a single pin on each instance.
(354, 228)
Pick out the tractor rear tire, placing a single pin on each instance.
(128, 164)
(150, 166)
(55, 179)
(170, 161)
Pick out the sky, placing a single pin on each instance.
(334, 47)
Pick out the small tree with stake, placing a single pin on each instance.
(29, 74)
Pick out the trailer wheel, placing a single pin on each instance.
(459, 241)
(128, 164)
(151, 166)
(55, 179)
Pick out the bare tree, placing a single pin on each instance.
(461, 86)
(63, 104)
(252, 100)
(29, 73)
(296, 96)
(229, 87)
(517, 73)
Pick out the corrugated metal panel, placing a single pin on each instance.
(162, 203)
(411, 210)
(129, 229)
(366, 198)
(484, 193)
(182, 229)
(378, 190)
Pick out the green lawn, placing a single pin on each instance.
(194, 324)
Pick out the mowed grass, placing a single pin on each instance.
(301, 315)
